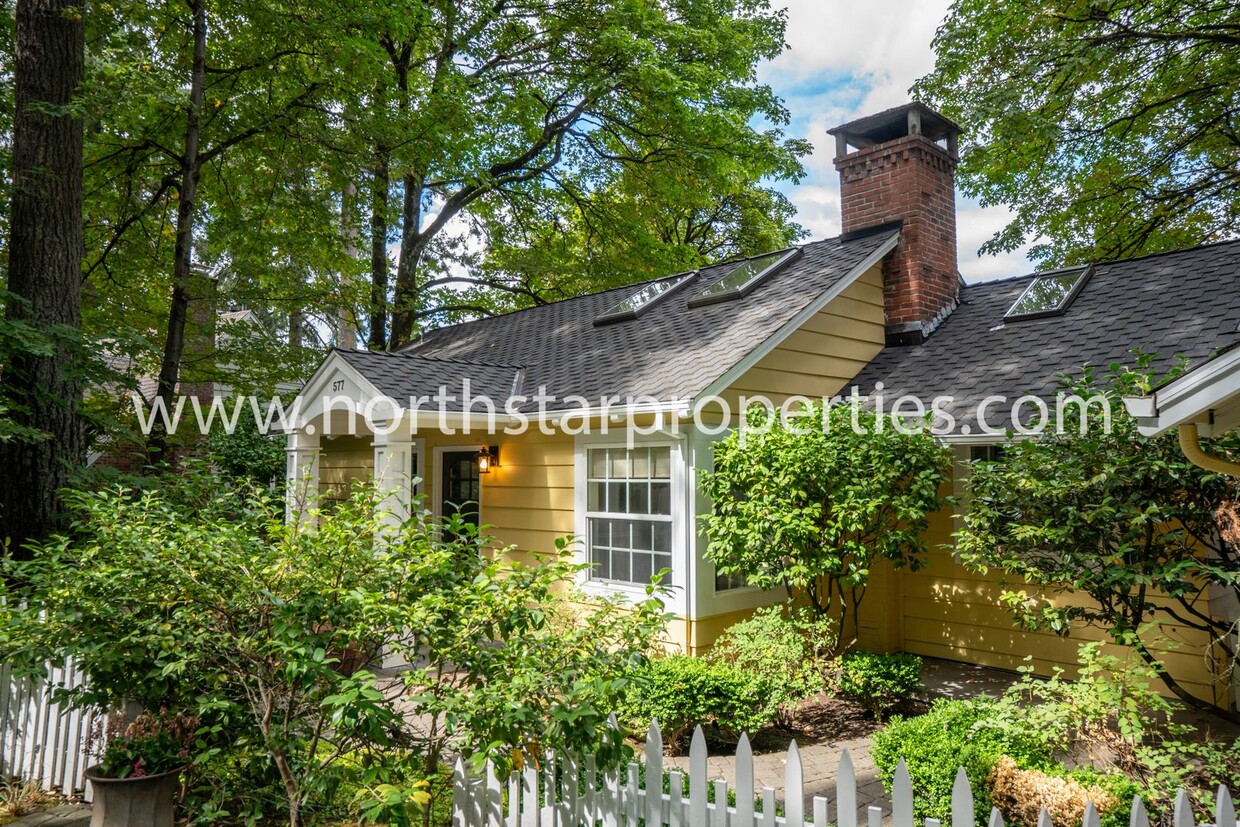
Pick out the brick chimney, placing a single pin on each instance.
(897, 167)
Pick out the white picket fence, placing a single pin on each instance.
(39, 741)
(568, 793)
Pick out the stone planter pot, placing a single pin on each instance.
(148, 801)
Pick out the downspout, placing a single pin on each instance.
(1190, 444)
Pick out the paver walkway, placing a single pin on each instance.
(66, 815)
(819, 762)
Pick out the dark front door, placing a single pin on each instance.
(461, 485)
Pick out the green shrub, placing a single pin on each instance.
(788, 647)
(947, 737)
(881, 683)
(682, 691)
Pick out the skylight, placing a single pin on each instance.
(642, 299)
(1049, 294)
(745, 277)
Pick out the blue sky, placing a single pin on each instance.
(848, 58)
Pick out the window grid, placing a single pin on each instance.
(629, 512)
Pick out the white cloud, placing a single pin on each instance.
(849, 59)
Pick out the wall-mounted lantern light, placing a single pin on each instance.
(488, 458)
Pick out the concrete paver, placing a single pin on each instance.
(66, 815)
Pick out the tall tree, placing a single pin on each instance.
(1109, 127)
(492, 98)
(45, 251)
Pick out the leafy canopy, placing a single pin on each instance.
(810, 502)
(1107, 126)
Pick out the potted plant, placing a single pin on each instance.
(137, 779)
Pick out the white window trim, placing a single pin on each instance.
(681, 544)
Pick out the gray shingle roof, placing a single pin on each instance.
(671, 352)
(403, 375)
(1181, 304)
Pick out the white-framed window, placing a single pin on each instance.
(629, 512)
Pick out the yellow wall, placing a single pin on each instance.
(822, 356)
(944, 610)
(528, 500)
(343, 461)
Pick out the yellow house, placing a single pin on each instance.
(594, 416)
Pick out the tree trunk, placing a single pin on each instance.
(45, 265)
(1189, 700)
(178, 309)
(404, 304)
(378, 252)
(346, 335)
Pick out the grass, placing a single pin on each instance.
(21, 798)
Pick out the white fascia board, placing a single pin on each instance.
(316, 388)
(796, 322)
(1190, 398)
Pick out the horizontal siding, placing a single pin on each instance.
(527, 501)
(825, 353)
(948, 611)
(343, 462)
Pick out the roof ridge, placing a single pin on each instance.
(407, 355)
(1108, 261)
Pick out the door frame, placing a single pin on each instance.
(436, 492)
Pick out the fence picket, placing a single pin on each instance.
(821, 816)
(591, 795)
(1183, 816)
(697, 779)
(550, 812)
(631, 797)
(1224, 808)
(529, 797)
(570, 813)
(875, 816)
(846, 792)
(962, 800)
(996, 818)
(1138, 816)
(794, 794)
(610, 800)
(1090, 818)
(901, 797)
(744, 781)
(514, 800)
(1044, 819)
(654, 774)
(459, 791)
(676, 799)
(719, 816)
(768, 806)
(495, 799)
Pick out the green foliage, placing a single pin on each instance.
(682, 692)
(947, 737)
(148, 745)
(1111, 515)
(1055, 724)
(788, 646)
(1111, 706)
(811, 502)
(248, 453)
(880, 682)
(211, 604)
(1095, 122)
